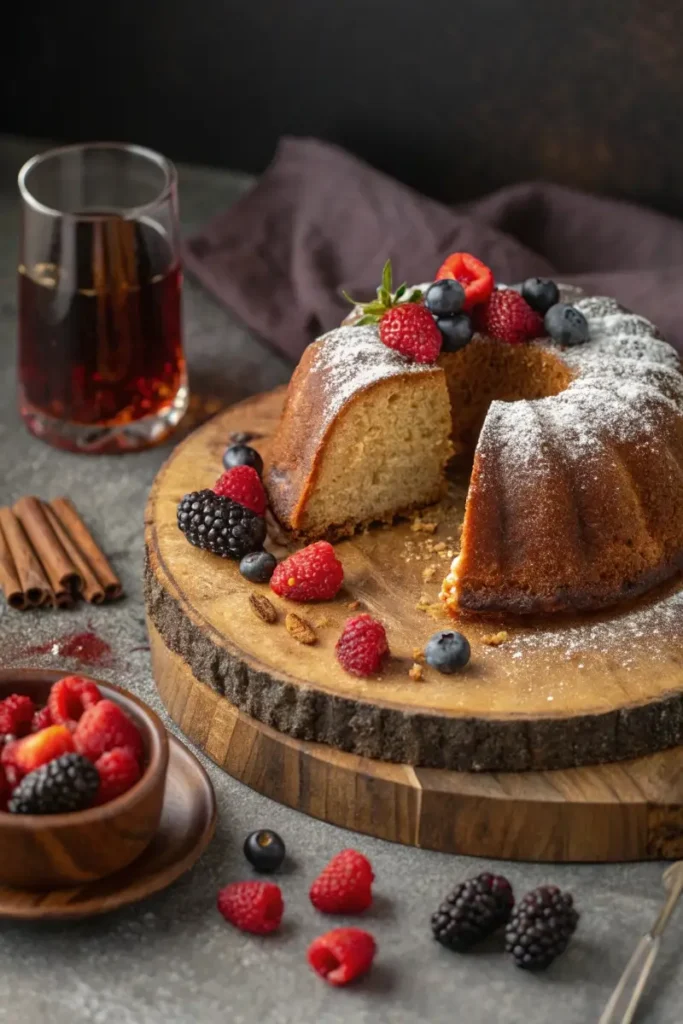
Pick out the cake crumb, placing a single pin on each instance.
(418, 654)
(419, 526)
(437, 610)
(441, 546)
(323, 622)
(353, 605)
(428, 573)
(495, 639)
(416, 673)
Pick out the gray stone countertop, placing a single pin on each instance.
(172, 959)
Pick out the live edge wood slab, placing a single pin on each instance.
(413, 760)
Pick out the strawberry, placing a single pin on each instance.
(344, 886)
(312, 574)
(118, 770)
(243, 485)
(103, 727)
(23, 756)
(404, 323)
(475, 277)
(362, 645)
(255, 907)
(70, 697)
(508, 317)
(342, 955)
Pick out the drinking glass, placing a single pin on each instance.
(101, 366)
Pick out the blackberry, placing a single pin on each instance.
(540, 927)
(219, 525)
(476, 908)
(69, 783)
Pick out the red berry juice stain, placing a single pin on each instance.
(88, 648)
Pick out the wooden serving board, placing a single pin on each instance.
(401, 758)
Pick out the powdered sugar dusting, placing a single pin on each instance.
(350, 359)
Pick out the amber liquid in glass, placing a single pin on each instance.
(99, 327)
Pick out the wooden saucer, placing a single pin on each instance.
(188, 822)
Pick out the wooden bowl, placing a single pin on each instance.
(51, 850)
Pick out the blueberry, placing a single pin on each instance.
(566, 325)
(444, 298)
(456, 331)
(541, 293)
(264, 850)
(258, 566)
(242, 455)
(447, 651)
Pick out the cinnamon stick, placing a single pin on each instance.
(59, 569)
(9, 578)
(92, 589)
(81, 536)
(34, 582)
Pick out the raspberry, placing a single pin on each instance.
(362, 645)
(243, 485)
(252, 906)
(16, 714)
(41, 719)
(342, 955)
(508, 317)
(344, 886)
(118, 770)
(70, 697)
(24, 756)
(312, 574)
(475, 277)
(411, 330)
(104, 727)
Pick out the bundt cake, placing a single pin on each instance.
(576, 494)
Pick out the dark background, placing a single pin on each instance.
(452, 97)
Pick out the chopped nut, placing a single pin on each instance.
(262, 607)
(301, 630)
(495, 639)
(353, 605)
(418, 654)
(416, 673)
(428, 573)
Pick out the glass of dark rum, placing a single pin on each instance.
(101, 366)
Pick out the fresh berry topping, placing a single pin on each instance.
(242, 455)
(243, 485)
(312, 574)
(70, 697)
(41, 719)
(118, 769)
(264, 850)
(258, 566)
(410, 329)
(456, 331)
(16, 715)
(445, 298)
(540, 927)
(566, 325)
(104, 727)
(33, 751)
(220, 525)
(475, 277)
(362, 645)
(508, 317)
(345, 885)
(68, 783)
(341, 955)
(474, 909)
(541, 293)
(252, 906)
(447, 651)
